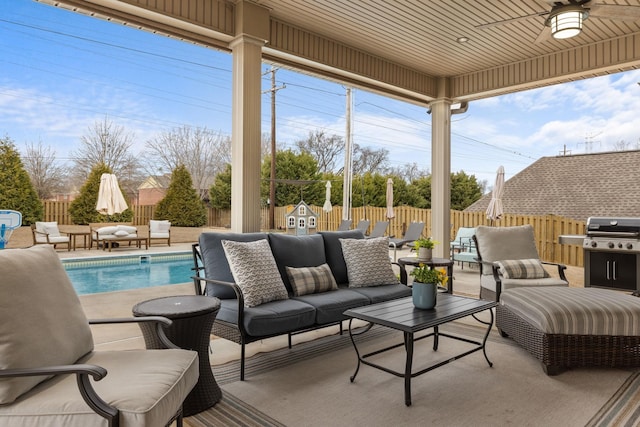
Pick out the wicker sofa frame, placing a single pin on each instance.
(558, 352)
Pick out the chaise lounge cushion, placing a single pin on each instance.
(215, 261)
(26, 337)
(255, 271)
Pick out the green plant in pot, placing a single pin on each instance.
(425, 285)
(425, 246)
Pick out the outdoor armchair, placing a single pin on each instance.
(509, 259)
(463, 239)
(50, 374)
(160, 230)
(48, 233)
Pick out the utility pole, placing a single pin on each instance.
(272, 180)
(348, 162)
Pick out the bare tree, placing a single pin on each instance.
(366, 159)
(326, 149)
(109, 144)
(203, 152)
(409, 172)
(47, 177)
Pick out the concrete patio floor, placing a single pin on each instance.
(118, 304)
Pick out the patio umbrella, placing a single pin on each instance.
(390, 214)
(110, 198)
(327, 202)
(495, 208)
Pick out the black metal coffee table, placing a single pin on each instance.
(401, 315)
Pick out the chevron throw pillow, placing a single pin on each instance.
(368, 262)
(255, 271)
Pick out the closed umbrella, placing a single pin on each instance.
(390, 214)
(495, 208)
(110, 198)
(327, 202)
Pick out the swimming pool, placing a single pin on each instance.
(118, 273)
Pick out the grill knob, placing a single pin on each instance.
(620, 245)
(629, 246)
(611, 245)
(594, 244)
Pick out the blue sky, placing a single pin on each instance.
(62, 71)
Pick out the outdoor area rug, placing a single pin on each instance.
(309, 385)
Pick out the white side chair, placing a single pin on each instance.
(160, 230)
(48, 233)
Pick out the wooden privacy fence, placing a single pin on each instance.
(547, 228)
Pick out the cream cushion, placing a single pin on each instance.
(505, 243)
(59, 335)
(159, 229)
(50, 230)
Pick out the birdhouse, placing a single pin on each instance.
(301, 220)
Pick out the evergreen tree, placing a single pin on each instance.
(83, 208)
(16, 190)
(301, 170)
(182, 204)
(220, 191)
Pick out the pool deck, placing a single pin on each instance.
(119, 304)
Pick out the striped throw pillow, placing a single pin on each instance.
(311, 280)
(522, 269)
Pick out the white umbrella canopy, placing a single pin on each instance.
(495, 208)
(390, 214)
(327, 201)
(110, 198)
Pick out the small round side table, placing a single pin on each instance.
(193, 318)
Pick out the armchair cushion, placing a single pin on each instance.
(368, 262)
(50, 228)
(500, 243)
(522, 269)
(59, 335)
(255, 271)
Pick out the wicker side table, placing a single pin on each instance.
(193, 318)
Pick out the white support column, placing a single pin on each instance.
(252, 24)
(441, 171)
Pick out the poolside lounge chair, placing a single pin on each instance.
(363, 225)
(345, 225)
(160, 230)
(412, 234)
(48, 233)
(51, 374)
(379, 229)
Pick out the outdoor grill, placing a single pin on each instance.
(611, 253)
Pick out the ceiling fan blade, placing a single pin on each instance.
(544, 35)
(612, 11)
(509, 20)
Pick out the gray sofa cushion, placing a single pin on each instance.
(330, 305)
(272, 318)
(333, 252)
(383, 293)
(296, 251)
(215, 261)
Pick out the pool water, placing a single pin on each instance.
(108, 274)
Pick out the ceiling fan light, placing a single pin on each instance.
(566, 23)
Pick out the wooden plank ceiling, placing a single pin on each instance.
(409, 45)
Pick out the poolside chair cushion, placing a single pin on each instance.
(50, 228)
(255, 271)
(522, 269)
(311, 280)
(57, 336)
(159, 229)
(368, 262)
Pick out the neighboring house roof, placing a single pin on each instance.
(577, 186)
(156, 181)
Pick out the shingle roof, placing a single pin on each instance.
(577, 186)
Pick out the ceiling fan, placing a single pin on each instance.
(565, 20)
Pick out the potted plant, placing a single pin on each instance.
(425, 285)
(425, 246)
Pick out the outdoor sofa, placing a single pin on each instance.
(317, 294)
(101, 233)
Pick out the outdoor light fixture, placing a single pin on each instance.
(566, 21)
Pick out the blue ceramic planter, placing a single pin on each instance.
(424, 295)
